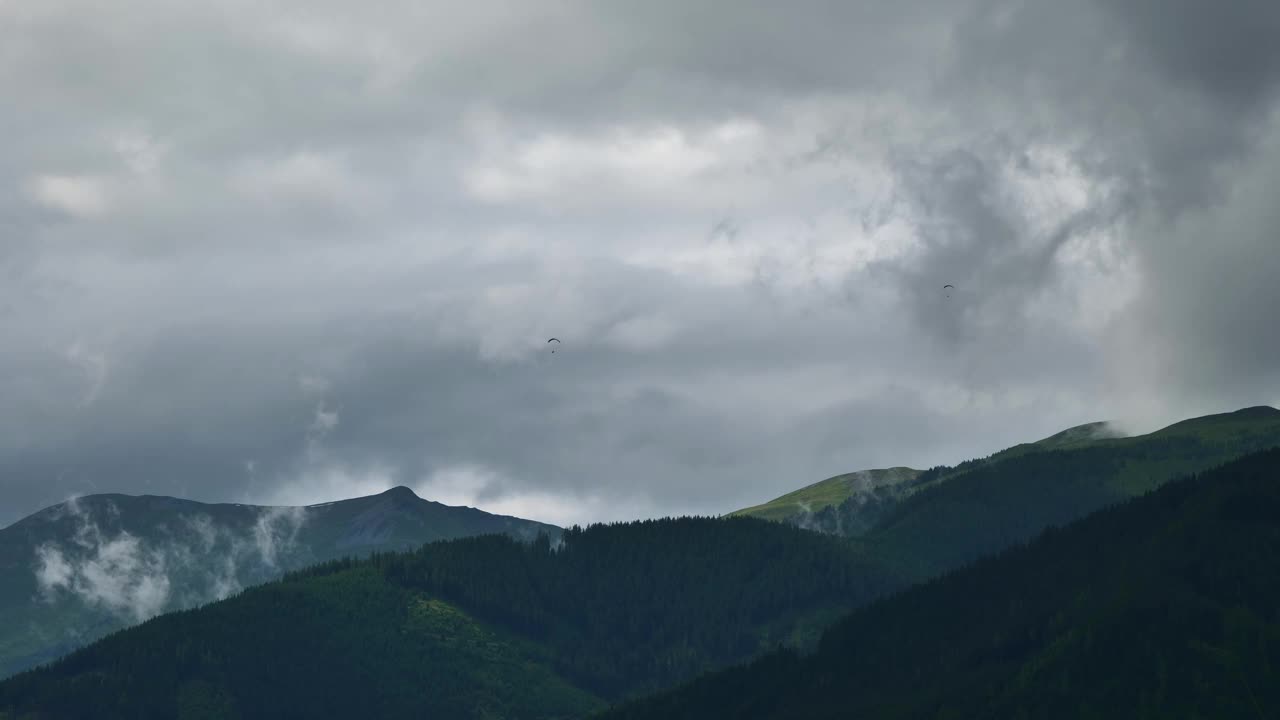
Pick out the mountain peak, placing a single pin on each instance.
(1257, 411)
(401, 493)
(1081, 433)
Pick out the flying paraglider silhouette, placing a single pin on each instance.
(556, 341)
(944, 287)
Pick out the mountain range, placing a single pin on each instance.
(544, 623)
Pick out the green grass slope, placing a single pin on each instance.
(1080, 434)
(1165, 606)
(485, 627)
(832, 491)
(116, 559)
(1072, 437)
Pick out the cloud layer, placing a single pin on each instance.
(301, 251)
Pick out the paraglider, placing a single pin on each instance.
(556, 341)
(945, 287)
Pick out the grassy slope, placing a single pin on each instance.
(1162, 607)
(831, 491)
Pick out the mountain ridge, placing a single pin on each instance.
(836, 489)
(833, 505)
(75, 570)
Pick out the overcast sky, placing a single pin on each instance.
(289, 252)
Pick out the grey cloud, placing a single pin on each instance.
(1226, 51)
(213, 204)
(1171, 108)
(1200, 323)
(1154, 94)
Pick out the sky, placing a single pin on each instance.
(290, 252)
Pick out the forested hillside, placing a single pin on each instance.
(1162, 607)
(480, 627)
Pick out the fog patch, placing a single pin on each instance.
(473, 485)
(119, 572)
(195, 560)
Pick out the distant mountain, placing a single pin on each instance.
(981, 507)
(75, 571)
(852, 504)
(482, 627)
(1161, 607)
(872, 503)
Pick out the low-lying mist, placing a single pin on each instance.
(193, 560)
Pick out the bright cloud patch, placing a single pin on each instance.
(556, 169)
(477, 486)
(81, 196)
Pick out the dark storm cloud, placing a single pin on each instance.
(298, 252)
(1227, 51)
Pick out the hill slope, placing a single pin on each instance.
(529, 631)
(866, 494)
(981, 507)
(868, 490)
(75, 571)
(936, 520)
(1162, 607)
